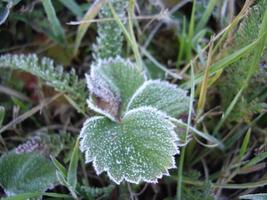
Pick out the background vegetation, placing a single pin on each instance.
(216, 50)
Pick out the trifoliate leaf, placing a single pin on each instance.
(162, 96)
(25, 173)
(113, 81)
(139, 148)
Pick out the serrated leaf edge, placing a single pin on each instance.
(98, 64)
(84, 148)
(146, 83)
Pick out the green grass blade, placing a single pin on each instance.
(59, 167)
(73, 7)
(228, 111)
(205, 17)
(129, 38)
(72, 171)
(191, 32)
(257, 184)
(203, 135)
(262, 38)
(2, 115)
(245, 144)
(83, 27)
(256, 159)
(224, 62)
(204, 85)
(182, 157)
(57, 29)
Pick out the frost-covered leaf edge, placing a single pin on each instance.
(30, 156)
(140, 179)
(159, 82)
(98, 64)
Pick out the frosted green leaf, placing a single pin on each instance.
(26, 173)
(114, 81)
(54, 75)
(139, 148)
(161, 95)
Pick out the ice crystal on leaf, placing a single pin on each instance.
(161, 95)
(139, 148)
(135, 140)
(112, 82)
(26, 173)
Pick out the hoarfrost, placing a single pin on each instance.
(162, 96)
(140, 148)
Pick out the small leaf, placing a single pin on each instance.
(139, 148)
(162, 96)
(244, 145)
(260, 196)
(114, 81)
(26, 173)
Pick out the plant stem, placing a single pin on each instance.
(182, 157)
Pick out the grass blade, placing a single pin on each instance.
(257, 184)
(72, 171)
(244, 145)
(256, 159)
(130, 39)
(204, 85)
(203, 135)
(228, 111)
(224, 62)
(2, 115)
(73, 7)
(205, 17)
(57, 29)
(59, 167)
(182, 157)
(83, 27)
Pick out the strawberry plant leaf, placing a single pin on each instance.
(113, 81)
(26, 173)
(161, 95)
(139, 148)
